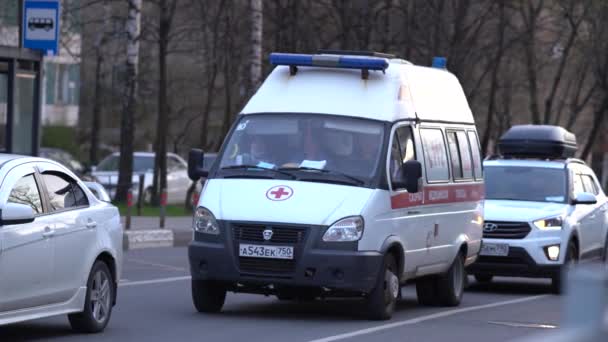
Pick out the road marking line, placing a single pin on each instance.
(426, 318)
(147, 263)
(153, 281)
(525, 325)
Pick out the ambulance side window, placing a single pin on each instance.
(402, 150)
(454, 155)
(435, 155)
(394, 163)
(476, 154)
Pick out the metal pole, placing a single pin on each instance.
(20, 13)
(163, 207)
(129, 205)
(140, 198)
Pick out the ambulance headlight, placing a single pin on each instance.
(346, 229)
(205, 222)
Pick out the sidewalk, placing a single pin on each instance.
(145, 232)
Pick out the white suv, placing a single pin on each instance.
(540, 215)
(60, 246)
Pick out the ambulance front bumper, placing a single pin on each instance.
(315, 264)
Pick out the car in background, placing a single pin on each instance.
(61, 247)
(544, 210)
(143, 164)
(64, 158)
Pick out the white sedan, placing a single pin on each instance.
(60, 246)
(143, 164)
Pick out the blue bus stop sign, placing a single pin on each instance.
(41, 26)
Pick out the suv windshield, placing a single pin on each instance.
(304, 143)
(520, 183)
(140, 163)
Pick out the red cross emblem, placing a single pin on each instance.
(279, 193)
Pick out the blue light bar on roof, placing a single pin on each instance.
(364, 63)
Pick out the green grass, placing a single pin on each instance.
(146, 210)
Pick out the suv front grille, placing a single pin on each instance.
(506, 230)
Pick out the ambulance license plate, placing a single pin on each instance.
(270, 252)
(494, 249)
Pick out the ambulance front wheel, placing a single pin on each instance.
(208, 296)
(381, 302)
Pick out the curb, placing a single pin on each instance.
(154, 238)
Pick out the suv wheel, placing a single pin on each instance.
(382, 300)
(98, 302)
(484, 278)
(208, 296)
(570, 260)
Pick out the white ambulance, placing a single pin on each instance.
(344, 175)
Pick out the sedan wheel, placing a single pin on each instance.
(98, 303)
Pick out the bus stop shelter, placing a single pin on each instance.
(20, 104)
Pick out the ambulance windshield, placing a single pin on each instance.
(348, 146)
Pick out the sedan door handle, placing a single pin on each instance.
(91, 224)
(48, 232)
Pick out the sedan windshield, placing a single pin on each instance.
(140, 163)
(520, 183)
(328, 146)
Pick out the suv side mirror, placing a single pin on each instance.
(15, 213)
(411, 172)
(585, 198)
(195, 164)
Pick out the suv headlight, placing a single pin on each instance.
(552, 223)
(205, 222)
(346, 229)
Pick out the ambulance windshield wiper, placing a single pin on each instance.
(244, 167)
(331, 172)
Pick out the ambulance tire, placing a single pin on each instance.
(381, 302)
(450, 286)
(208, 296)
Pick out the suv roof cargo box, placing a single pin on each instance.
(541, 141)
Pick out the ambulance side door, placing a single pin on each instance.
(408, 210)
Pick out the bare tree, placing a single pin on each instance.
(100, 43)
(127, 128)
(255, 57)
(166, 16)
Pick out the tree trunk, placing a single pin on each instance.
(255, 57)
(127, 128)
(98, 99)
(494, 85)
(598, 122)
(159, 182)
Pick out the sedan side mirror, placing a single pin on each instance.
(585, 198)
(411, 172)
(15, 213)
(195, 164)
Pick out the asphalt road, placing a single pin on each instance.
(154, 305)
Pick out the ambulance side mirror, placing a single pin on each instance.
(411, 171)
(195, 164)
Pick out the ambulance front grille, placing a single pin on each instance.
(266, 266)
(255, 233)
